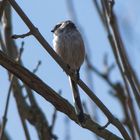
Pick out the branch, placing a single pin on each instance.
(50, 95)
(126, 102)
(99, 12)
(67, 129)
(7, 100)
(6, 109)
(2, 7)
(37, 67)
(22, 35)
(111, 39)
(32, 112)
(6, 135)
(120, 51)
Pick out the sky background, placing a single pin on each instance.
(45, 14)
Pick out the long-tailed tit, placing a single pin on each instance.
(69, 45)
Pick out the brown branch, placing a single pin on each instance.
(6, 135)
(53, 121)
(123, 99)
(8, 99)
(25, 128)
(6, 110)
(36, 117)
(2, 43)
(54, 115)
(13, 52)
(105, 110)
(21, 36)
(100, 13)
(25, 111)
(2, 7)
(10, 45)
(126, 102)
(113, 45)
(130, 105)
(127, 69)
(120, 50)
(37, 67)
(50, 95)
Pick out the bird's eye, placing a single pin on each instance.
(71, 25)
(57, 26)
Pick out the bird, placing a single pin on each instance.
(69, 45)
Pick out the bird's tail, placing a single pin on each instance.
(77, 101)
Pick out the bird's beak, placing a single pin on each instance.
(52, 30)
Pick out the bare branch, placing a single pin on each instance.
(130, 107)
(126, 102)
(120, 51)
(26, 112)
(2, 43)
(2, 6)
(22, 35)
(50, 95)
(7, 100)
(6, 135)
(37, 67)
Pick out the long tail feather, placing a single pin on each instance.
(77, 101)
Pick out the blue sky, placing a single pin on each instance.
(44, 15)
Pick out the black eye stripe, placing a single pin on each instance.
(71, 25)
(56, 27)
(67, 25)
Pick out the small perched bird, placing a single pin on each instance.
(69, 45)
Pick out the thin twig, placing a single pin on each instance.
(123, 99)
(99, 12)
(37, 67)
(67, 129)
(54, 115)
(21, 36)
(25, 128)
(6, 109)
(6, 134)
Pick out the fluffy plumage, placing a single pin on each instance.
(69, 45)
